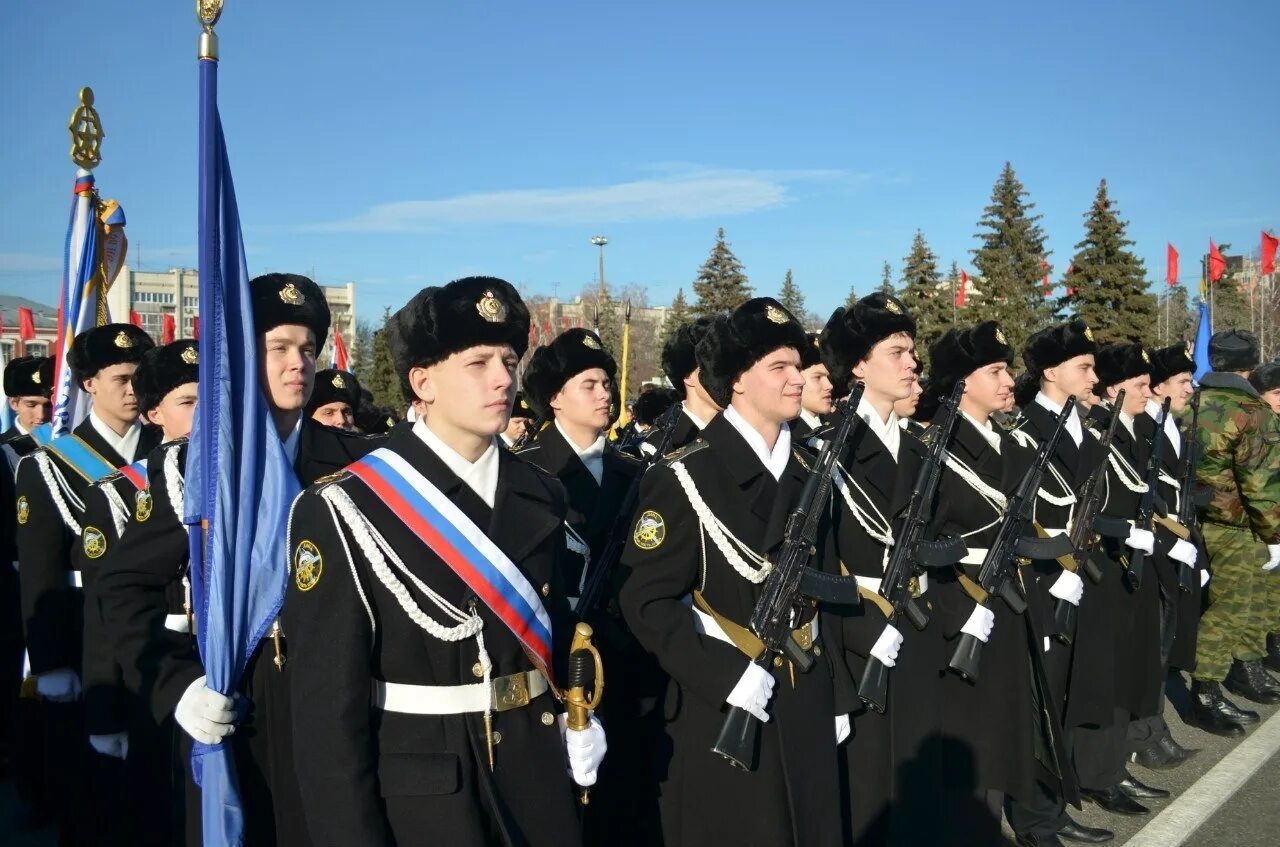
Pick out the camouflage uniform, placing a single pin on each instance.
(1239, 443)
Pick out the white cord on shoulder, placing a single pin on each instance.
(873, 523)
(58, 487)
(1128, 477)
(1177, 489)
(1029, 441)
(994, 498)
(351, 563)
(759, 568)
(575, 542)
(175, 486)
(119, 511)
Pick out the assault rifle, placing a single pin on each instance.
(782, 594)
(998, 566)
(1187, 494)
(910, 549)
(1147, 505)
(1083, 534)
(605, 562)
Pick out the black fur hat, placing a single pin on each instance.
(1025, 389)
(754, 330)
(851, 333)
(960, 352)
(441, 320)
(521, 408)
(679, 358)
(927, 405)
(1234, 350)
(104, 346)
(1118, 362)
(1056, 344)
(29, 376)
(280, 299)
(651, 404)
(333, 386)
(163, 369)
(1266, 377)
(1168, 362)
(812, 353)
(552, 365)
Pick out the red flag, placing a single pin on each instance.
(168, 329)
(1171, 265)
(339, 352)
(1044, 263)
(1071, 268)
(135, 319)
(26, 324)
(1269, 245)
(962, 294)
(1217, 264)
(195, 328)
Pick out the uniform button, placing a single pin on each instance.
(777, 661)
(477, 670)
(497, 737)
(546, 589)
(817, 649)
(548, 719)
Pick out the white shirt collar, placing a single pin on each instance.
(507, 441)
(592, 456)
(126, 445)
(481, 476)
(697, 421)
(1170, 426)
(902, 422)
(810, 418)
(1127, 420)
(986, 430)
(1074, 427)
(291, 443)
(888, 431)
(22, 430)
(776, 461)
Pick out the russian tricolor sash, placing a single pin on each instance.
(136, 473)
(470, 554)
(75, 452)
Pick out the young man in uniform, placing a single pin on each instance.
(1266, 380)
(335, 399)
(816, 401)
(522, 417)
(1238, 446)
(710, 517)
(140, 582)
(427, 573)
(1003, 728)
(680, 364)
(51, 488)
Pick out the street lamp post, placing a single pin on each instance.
(600, 241)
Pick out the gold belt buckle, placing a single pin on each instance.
(913, 585)
(510, 692)
(804, 636)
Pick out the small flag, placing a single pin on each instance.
(195, 327)
(26, 324)
(339, 352)
(1217, 264)
(1200, 350)
(962, 293)
(1171, 265)
(1269, 245)
(135, 319)
(168, 329)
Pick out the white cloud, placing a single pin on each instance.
(25, 262)
(682, 195)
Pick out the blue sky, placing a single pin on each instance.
(400, 143)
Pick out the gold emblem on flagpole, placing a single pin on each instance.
(86, 132)
(208, 12)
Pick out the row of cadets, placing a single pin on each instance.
(141, 583)
(51, 488)
(569, 384)
(428, 575)
(680, 364)
(710, 515)
(28, 385)
(891, 768)
(1003, 732)
(131, 803)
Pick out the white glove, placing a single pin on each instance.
(60, 686)
(1141, 539)
(1068, 587)
(586, 749)
(206, 715)
(1185, 552)
(887, 646)
(843, 729)
(1204, 578)
(115, 745)
(753, 691)
(980, 623)
(1274, 550)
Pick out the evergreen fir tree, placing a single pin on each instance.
(1177, 316)
(925, 295)
(852, 298)
(721, 285)
(1228, 298)
(600, 305)
(791, 298)
(886, 279)
(1108, 282)
(381, 378)
(362, 349)
(1009, 261)
(678, 316)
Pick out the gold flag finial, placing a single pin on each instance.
(86, 132)
(208, 12)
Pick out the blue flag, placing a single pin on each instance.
(239, 480)
(1200, 350)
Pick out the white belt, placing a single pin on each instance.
(872, 584)
(975, 556)
(176, 623)
(501, 694)
(1054, 531)
(75, 579)
(706, 625)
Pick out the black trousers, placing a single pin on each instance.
(1099, 753)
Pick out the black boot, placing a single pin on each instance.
(1211, 711)
(1246, 680)
(1272, 661)
(1164, 754)
(1266, 681)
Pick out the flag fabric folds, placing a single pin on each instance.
(239, 480)
(1200, 350)
(82, 300)
(339, 352)
(1171, 265)
(1269, 245)
(26, 324)
(1217, 263)
(962, 293)
(168, 329)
